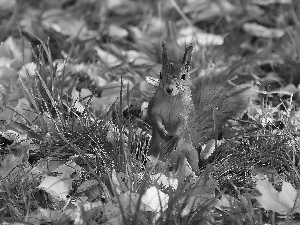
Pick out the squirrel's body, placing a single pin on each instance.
(170, 111)
(181, 119)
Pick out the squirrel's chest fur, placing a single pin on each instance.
(171, 109)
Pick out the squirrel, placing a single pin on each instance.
(182, 116)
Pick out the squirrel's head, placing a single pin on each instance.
(175, 75)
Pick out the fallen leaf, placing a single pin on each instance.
(116, 31)
(56, 186)
(281, 202)
(109, 59)
(262, 31)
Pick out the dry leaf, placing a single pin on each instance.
(262, 31)
(281, 202)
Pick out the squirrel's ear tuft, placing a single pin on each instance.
(187, 57)
(164, 53)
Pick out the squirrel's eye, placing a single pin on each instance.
(183, 76)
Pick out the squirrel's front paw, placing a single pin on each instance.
(165, 135)
(168, 137)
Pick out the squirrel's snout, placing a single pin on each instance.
(169, 90)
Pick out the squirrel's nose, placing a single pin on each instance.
(169, 90)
